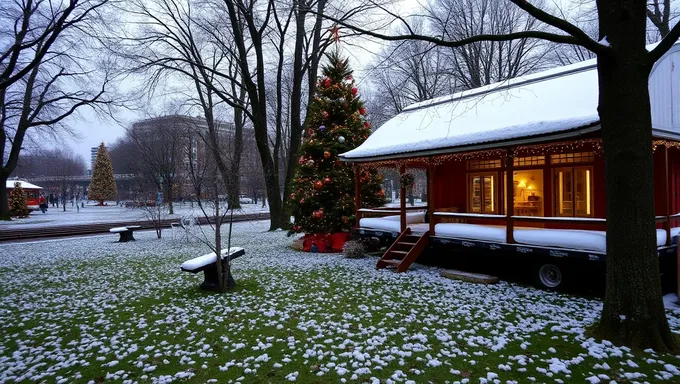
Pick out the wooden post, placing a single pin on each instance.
(667, 196)
(402, 200)
(509, 198)
(677, 267)
(357, 194)
(430, 196)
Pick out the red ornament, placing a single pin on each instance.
(324, 114)
(296, 228)
(318, 184)
(326, 154)
(327, 180)
(367, 124)
(301, 160)
(327, 82)
(362, 110)
(349, 78)
(381, 193)
(302, 201)
(354, 91)
(319, 214)
(310, 131)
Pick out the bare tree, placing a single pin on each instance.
(485, 62)
(633, 311)
(160, 143)
(45, 74)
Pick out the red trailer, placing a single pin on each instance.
(517, 166)
(32, 192)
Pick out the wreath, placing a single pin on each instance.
(406, 180)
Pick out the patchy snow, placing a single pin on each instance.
(124, 311)
(92, 214)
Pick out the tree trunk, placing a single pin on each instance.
(221, 278)
(633, 312)
(295, 99)
(169, 197)
(234, 183)
(4, 198)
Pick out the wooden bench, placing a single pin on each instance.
(125, 232)
(208, 265)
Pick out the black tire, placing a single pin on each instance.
(550, 275)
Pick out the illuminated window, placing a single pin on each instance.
(573, 189)
(483, 193)
(529, 160)
(578, 157)
(484, 164)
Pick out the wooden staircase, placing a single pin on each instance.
(404, 251)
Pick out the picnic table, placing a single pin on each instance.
(125, 232)
(208, 265)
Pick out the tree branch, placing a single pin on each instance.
(664, 45)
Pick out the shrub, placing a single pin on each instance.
(353, 249)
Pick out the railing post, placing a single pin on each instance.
(402, 200)
(677, 266)
(430, 195)
(667, 196)
(509, 198)
(357, 195)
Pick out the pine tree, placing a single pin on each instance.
(323, 187)
(17, 201)
(102, 185)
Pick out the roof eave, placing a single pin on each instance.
(581, 131)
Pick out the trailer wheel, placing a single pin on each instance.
(550, 276)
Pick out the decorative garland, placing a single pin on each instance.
(664, 143)
(594, 145)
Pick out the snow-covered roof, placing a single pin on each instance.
(24, 184)
(557, 103)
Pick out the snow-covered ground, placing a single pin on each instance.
(104, 214)
(90, 309)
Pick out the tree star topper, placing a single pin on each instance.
(335, 33)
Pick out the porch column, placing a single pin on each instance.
(509, 198)
(357, 194)
(402, 200)
(430, 195)
(667, 196)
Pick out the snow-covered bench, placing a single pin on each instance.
(125, 232)
(208, 265)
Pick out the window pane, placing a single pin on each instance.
(476, 194)
(489, 203)
(582, 196)
(563, 192)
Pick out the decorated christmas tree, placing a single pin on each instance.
(102, 185)
(17, 202)
(323, 187)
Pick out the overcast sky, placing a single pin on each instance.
(93, 130)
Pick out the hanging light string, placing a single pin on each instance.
(592, 145)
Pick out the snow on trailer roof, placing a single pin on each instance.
(24, 184)
(557, 100)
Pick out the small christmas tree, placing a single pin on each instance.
(323, 187)
(102, 185)
(17, 201)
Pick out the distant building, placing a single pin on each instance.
(93, 157)
(192, 151)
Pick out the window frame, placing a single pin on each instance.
(496, 194)
(555, 188)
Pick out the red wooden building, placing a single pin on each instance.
(31, 191)
(517, 166)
